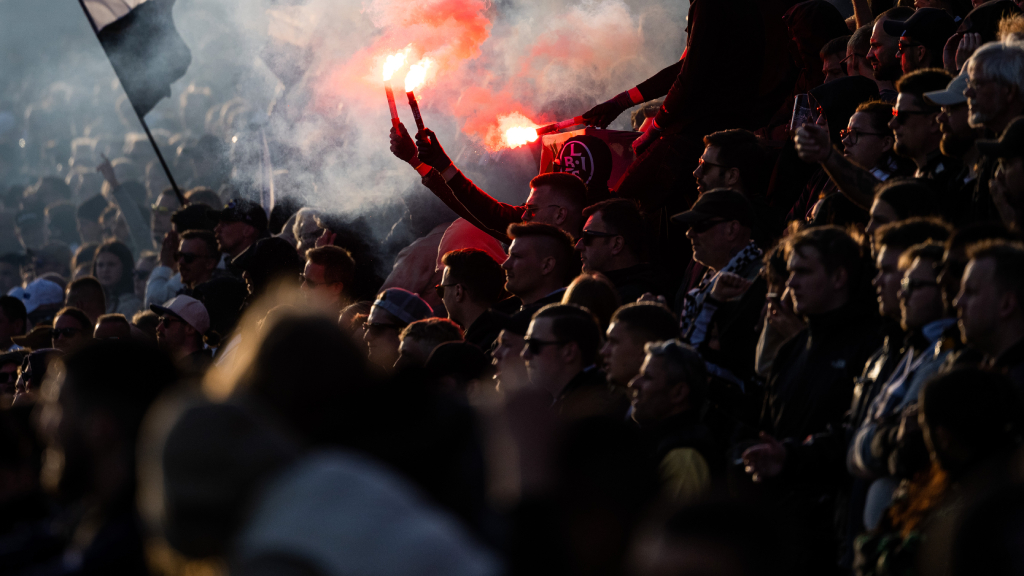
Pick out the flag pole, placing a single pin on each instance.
(142, 120)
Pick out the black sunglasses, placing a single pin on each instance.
(901, 116)
(705, 225)
(589, 236)
(189, 257)
(376, 328)
(439, 289)
(535, 346)
(65, 332)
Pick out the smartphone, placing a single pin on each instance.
(801, 112)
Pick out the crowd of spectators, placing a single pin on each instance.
(788, 340)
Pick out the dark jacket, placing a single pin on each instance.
(634, 281)
(590, 394)
(812, 379)
(484, 330)
(684, 431)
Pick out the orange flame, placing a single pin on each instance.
(417, 74)
(516, 130)
(393, 63)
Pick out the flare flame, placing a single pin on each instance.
(393, 64)
(417, 74)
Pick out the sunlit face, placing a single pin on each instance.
(306, 232)
(882, 54)
(195, 262)
(546, 361)
(813, 289)
(543, 206)
(622, 353)
(881, 213)
(524, 265)
(864, 145)
(69, 335)
(987, 99)
(108, 269)
(381, 338)
(831, 67)
(653, 392)
(887, 281)
(917, 131)
(957, 134)
(710, 172)
(978, 303)
(920, 296)
(595, 248)
(316, 287)
(509, 366)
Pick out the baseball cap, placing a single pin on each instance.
(267, 255)
(40, 292)
(187, 309)
(719, 203)
(38, 338)
(404, 305)
(952, 95)
(242, 210)
(930, 27)
(1009, 145)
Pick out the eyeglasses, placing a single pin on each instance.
(705, 225)
(535, 346)
(844, 60)
(376, 328)
(908, 285)
(589, 236)
(852, 134)
(307, 280)
(904, 46)
(901, 115)
(531, 211)
(189, 257)
(702, 162)
(63, 333)
(439, 289)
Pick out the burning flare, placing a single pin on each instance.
(393, 63)
(417, 74)
(517, 130)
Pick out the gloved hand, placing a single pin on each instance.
(603, 114)
(641, 144)
(402, 145)
(431, 152)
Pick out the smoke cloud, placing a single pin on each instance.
(307, 75)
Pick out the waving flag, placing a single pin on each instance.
(143, 45)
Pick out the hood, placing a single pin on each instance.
(811, 25)
(839, 98)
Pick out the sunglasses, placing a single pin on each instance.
(377, 328)
(901, 116)
(535, 346)
(189, 257)
(852, 134)
(589, 236)
(705, 225)
(63, 332)
(439, 289)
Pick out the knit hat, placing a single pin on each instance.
(404, 305)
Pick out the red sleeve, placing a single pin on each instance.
(435, 182)
(491, 213)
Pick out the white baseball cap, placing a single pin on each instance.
(188, 309)
(40, 292)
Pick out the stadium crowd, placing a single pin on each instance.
(788, 340)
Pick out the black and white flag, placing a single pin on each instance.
(143, 45)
